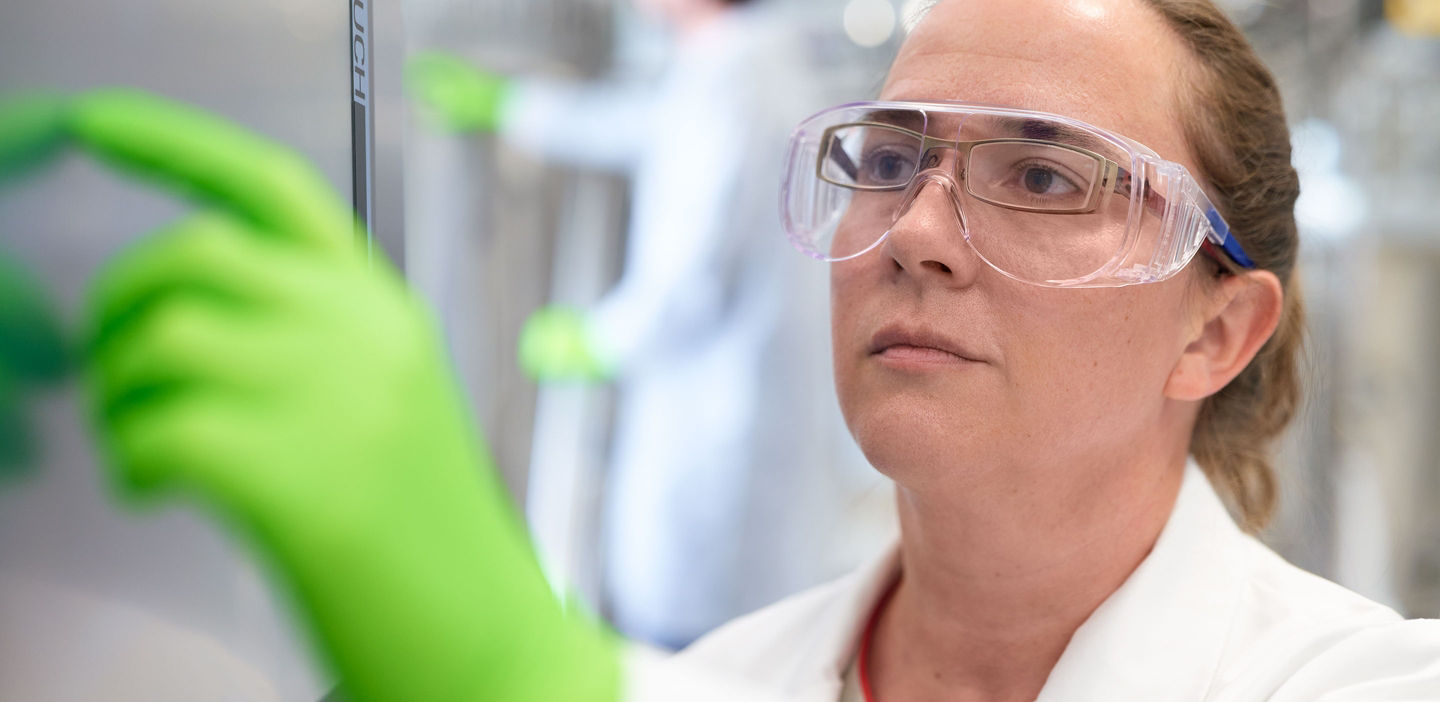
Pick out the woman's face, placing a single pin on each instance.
(1040, 378)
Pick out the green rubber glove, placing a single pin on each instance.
(456, 95)
(33, 354)
(251, 357)
(557, 344)
(31, 131)
(33, 351)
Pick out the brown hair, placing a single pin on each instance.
(1235, 125)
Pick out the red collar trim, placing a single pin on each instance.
(863, 659)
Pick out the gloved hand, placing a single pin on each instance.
(31, 131)
(557, 344)
(251, 356)
(32, 348)
(457, 95)
(32, 353)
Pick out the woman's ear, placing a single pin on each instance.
(1238, 317)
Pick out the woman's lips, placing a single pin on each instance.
(907, 346)
(922, 355)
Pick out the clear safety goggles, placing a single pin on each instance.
(1041, 198)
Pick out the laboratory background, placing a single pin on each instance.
(664, 491)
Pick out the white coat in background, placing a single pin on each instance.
(733, 482)
(1210, 615)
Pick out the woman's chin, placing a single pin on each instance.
(914, 447)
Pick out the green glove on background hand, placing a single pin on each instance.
(32, 347)
(31, 131)
(556, 344)
(459, 96)
(32, 353)
(250, 356)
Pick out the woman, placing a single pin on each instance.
(1044, 333)
(1056, 541)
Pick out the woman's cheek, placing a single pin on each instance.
(1096, 353)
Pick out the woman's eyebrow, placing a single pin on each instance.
(1051, 131)
(1025, 127)
(908, 119)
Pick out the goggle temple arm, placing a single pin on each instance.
(1218, 236)
(1218, 242)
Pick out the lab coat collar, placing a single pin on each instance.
(1132, 646)
(1128, 649)
(836, 652)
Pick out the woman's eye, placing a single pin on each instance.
(1039, 179)
(885, 167)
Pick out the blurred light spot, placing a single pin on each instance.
(1414, 17)
(1331, 205)
(869, 23)
(1316, 145)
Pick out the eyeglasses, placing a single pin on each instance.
(1041, 198)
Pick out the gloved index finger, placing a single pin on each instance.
(196, 152)
(30, 130)
(33, 347)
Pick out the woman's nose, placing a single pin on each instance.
(927, 238)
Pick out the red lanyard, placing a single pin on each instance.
(863, 659)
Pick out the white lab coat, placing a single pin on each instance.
(1210, 614)
(732, 475)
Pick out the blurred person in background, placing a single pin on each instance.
(727, 487)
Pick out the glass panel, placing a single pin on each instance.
(1083, 228)
(870, 156)
(1033, 175)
